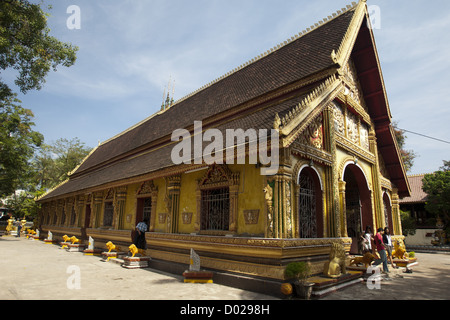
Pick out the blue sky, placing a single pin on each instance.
(129, 49)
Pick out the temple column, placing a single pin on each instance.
(97, 209)
(173, 202)
(378, 207)
(282, 198)
(333, 223)
(395, 211)
(343, 208)
(119, 208)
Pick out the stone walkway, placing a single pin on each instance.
(32, 270)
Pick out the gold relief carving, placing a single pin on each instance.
(352, 128)
(313, 135)
(364, 136)
(339, 118)
(288, 209)
(187, 217)
(251, 216)
(110, 194)
(219, 176)
(256, 242)
(147, 188)
(268, 195)
(162, 218)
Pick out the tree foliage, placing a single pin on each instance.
(27, 47)
(54, 162)
(437, 187)
(29, 52)
(408, 156)
(17, 145)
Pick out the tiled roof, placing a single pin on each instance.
(300, 58)
(417, 194)
(129, 156)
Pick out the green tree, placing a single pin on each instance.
(26, 46)
(27, 49)
(437, 187)
(17, 145)
(408, 156)
(54, 162)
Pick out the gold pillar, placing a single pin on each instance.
(97, 209)
(119, 208)
(282, 198)
(395, 211)
(378, 207)
(333, 223)
(173, 201)
(343, 208)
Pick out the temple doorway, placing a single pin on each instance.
(310, 216)
(358, 204)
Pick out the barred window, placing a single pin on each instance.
(108, 214)
(215, 212)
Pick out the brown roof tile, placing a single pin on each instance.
(417, 193)
(303, 57)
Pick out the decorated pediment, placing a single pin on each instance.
(313, 134)
(219, 175)
(146, 188)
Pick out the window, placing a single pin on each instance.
(108, 214)
(215, 211)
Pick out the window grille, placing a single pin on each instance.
(307, 207)
(108, 214)
(353, 210)
(215, 213)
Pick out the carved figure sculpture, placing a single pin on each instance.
(399, 250)
(74, 240)
(335, 267)
(268, 195)
(367, 260)
(111, 246)
(133, 249)
(66, 238)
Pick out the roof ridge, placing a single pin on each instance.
(301, 34)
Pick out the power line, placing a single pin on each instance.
(425, 136)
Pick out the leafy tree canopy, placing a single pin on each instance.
(27, 47)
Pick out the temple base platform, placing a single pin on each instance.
(405, 263)
(64, 245)
(93, 252)
(324, 285)
(198, 277)
(135, 262)
(76, 247)
(47, 241)
(106, 256)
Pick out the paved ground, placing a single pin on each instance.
(430, 280)
(34, 270)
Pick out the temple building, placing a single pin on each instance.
(339, 166)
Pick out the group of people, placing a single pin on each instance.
(381, 242)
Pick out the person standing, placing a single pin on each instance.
(388, 244)
(381, 249)
(141, 229)
(368, 238)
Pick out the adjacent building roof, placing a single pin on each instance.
(417, 193)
